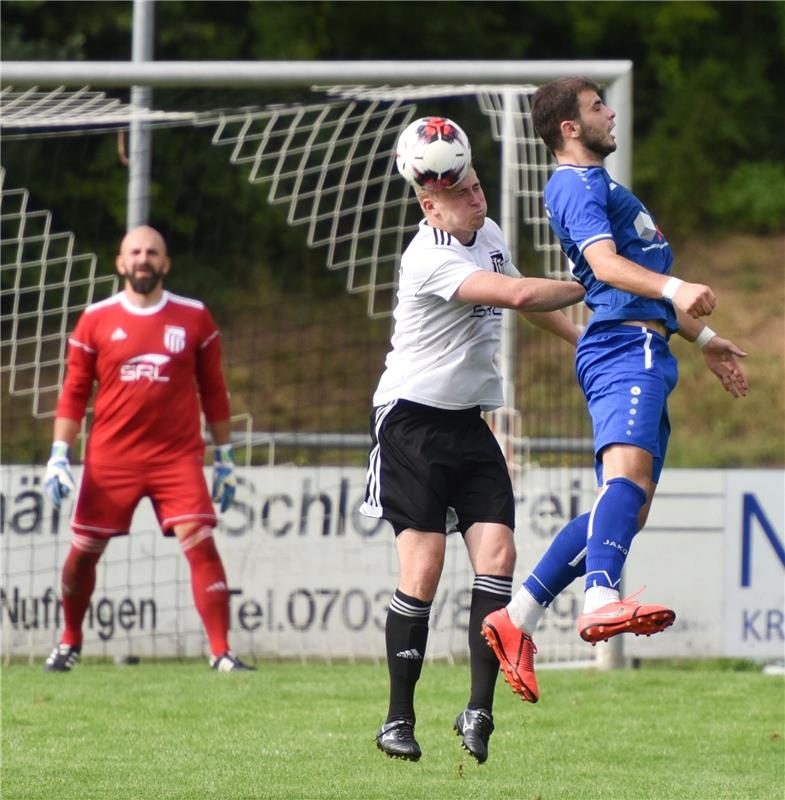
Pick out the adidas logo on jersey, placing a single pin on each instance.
(412, 654)
(218, 586)
(118, 335)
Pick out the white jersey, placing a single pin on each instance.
(443, 350)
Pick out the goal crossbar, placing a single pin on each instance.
(300, 73)
(616, 73)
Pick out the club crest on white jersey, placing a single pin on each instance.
(145, 367)
(174, 338)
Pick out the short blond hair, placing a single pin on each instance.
(421, 192)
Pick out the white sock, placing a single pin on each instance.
(525, 611)
(598, 596)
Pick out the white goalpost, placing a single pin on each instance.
(329, 162)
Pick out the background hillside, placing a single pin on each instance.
(712, 428)
(320, 373)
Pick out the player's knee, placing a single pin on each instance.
(507, 564)
(88, 546)
(643, 515)
(192, 534)
(502, 564)
(500, 560)
(420, 583)
(80, 563)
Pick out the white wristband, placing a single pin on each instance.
(59, 449)
(670, 287)
(704, 336)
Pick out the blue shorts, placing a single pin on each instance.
(626, 374)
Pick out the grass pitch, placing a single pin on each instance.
(305, 731)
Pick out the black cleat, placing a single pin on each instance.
(228, 662)
(63, 657)
(476, 727)
(396, 738)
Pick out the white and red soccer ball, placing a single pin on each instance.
(433, 153)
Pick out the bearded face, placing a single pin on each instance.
(597, 140)
(144, 277)
(596, 123)
(143, 261)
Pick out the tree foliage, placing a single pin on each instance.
(709, 111)
(709, 105)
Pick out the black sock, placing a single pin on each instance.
(406, 634)
(489, 592)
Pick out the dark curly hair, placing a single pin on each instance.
(555, 102)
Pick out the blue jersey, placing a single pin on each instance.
(585, 205)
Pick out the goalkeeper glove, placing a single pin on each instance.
(224, 479)
(58, 481)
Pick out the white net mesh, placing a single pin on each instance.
(53, 111)
(46, 283)
(331, 165)
(530, 169)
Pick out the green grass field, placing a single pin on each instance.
(301, 731)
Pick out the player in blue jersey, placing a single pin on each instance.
(625, 369)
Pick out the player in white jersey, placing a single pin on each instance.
(443, 353)
(431, 449)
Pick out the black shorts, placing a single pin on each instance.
(424, 460)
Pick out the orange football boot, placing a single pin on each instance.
(624, 616)
(515, 651)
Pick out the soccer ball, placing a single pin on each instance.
(434, 153)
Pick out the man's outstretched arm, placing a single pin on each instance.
(721, 355)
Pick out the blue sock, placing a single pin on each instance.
(562, 562)
(613, 524)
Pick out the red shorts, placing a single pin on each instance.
(109, 494)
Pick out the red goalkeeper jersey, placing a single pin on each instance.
(152, 366)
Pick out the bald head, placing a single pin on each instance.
(143, 262)
(143, 236)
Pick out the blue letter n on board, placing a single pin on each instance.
(752, 510)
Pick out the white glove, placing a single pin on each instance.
(58, 481)
(224, 479)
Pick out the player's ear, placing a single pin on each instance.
(570, 129)
(167, 265)
(118, 264)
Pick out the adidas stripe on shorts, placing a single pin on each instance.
(424, 460)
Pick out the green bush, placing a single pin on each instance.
(752, 198)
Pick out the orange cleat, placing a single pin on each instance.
(624, 616)
(515, 651)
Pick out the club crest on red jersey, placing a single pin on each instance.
(174, 338)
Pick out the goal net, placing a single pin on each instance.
(288, 218)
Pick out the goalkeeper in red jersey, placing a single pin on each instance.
(156, 359)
